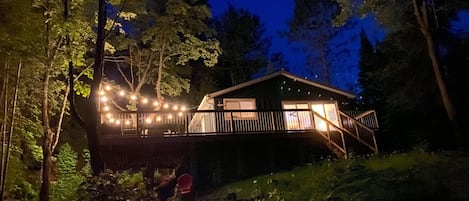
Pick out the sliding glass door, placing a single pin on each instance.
(302, 120)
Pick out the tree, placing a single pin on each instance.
(47, 41)
(396, 61)
(244, 47)
(165, 38)
(427, 21)
(324, 44)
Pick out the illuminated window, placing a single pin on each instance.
(239, 104)
(301, 120)
(297, 120)
(327, 111)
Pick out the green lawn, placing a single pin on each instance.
(415, 175)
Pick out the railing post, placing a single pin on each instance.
(138, 124)
(187, 123)
(343, 144)
(231, 122)
(274, 127)
(374, 141)
(356, 129)
(328, 133)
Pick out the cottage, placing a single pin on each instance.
(282, 103)
(275, 105)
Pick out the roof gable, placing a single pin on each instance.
(285, 74)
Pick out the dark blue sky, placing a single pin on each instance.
(275, 15)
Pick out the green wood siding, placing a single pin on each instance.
(270, 93)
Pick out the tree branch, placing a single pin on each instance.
(55, 138)
(115, 19)
(123, 76)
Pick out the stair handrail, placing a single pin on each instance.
(373, 147)
(342, 148)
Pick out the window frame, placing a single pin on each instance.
(240, 115)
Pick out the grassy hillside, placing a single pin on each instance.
(415, 175)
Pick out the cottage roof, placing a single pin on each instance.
(285, 74)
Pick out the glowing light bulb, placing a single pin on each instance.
(183, 108)
(108, 115)
(118, 122)
(180, 114)
(170, 116)
(133, 97)
(104, 99)
(121, 93)
(127, 122)
(158, 118)
(106, 108)
(144, 100)
(166, 105)
(155, 103)
(107, 87)
(148, 120)
(175, 107)
(111, 120)
(101, 93)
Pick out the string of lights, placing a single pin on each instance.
(155, 111)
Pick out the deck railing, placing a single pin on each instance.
(229, 122)
(211, 122)
(366, 117)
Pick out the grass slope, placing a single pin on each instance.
(415, 175)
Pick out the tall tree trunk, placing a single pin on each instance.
(92, 121)
(160, 74)
(10, 133)
(4, 126)
(422, 20)
(47, 140)
(46, 152)
(324, 62)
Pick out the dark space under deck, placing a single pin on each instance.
(216, 159)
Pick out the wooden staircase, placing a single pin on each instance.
(334, 136)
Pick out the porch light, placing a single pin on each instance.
(148, 120)
(121, 93)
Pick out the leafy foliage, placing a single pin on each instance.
(412, 112)
(161, 41)
(109, 185)
(70, 177)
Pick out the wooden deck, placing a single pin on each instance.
(179, 127)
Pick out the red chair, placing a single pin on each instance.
(184, 183)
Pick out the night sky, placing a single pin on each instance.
(275, 15)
